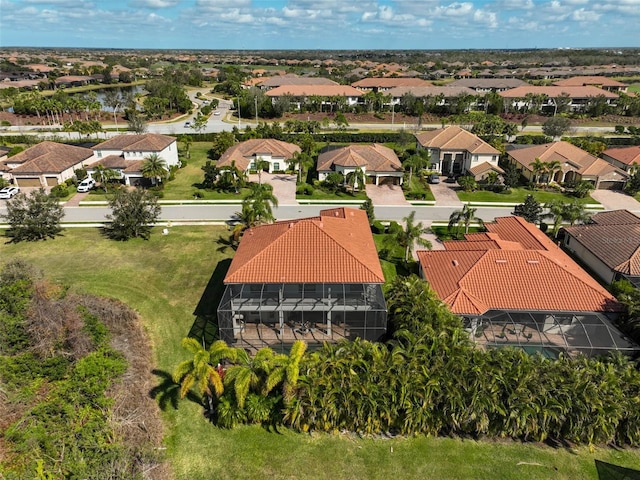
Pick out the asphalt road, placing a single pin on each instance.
(221, 213)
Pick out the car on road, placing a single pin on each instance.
(9, 192)
(216, 113)
(86, 185)
(187, 124)
(434, 178)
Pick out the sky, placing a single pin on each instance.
(320, 24)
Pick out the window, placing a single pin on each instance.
(99, 154)
(276, 166)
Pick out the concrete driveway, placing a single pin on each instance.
(445, 193)
(613, 200)
(386, 195)
(284, 186)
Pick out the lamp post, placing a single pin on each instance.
(238, 112)
(255, 100)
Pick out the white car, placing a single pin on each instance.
(86, 185)
(217, 113)
(9, 192)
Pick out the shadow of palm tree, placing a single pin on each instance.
(608, 471)
(167, 392)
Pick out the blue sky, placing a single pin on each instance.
(320, 24)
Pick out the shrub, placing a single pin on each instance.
(198, 194)
(59, 191)
(5, 123)
(394, 228)
(378, 227)
(304, 189)
(619, 129)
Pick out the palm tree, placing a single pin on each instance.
(555, 212)
(285, 370)
(464, 217)
(415, 163)
(154, 167)
(301, 160)
(201, 370)
(261, 164)
(551, 168)
(187, 141)
(355, 179)
(537, 168)
(104, 175)
(249, 373)
(412, 235)
(257, 206)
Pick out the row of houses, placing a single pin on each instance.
(319, 279)
(452, 151)
(48, 164)
(573, 93)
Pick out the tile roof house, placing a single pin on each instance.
(609, 246)
(300, 93)
(580, 96)
(277, 153)
(126, 153)
(377, 162)
(383, 84)
(47, 164)
(438, 95)
(514, 286)
(317, 279)
(604, 83)
(486, 85)
(270, 83)
(624, 158)
(575, 165)
(454, 150)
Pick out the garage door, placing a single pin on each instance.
(28, 182)
(610, 185)
(52, 181)
(388, 181)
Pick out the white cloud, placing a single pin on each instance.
(154, 3)
(582, 15)
(454, 9)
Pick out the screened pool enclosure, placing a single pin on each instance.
(268, 314)
(549, 333)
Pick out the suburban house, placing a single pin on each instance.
(126, 154)
(269, 83)
(317, 279)
(575, 165)
(486, 85)
(454, 150)
(624, 158)
(384, 84)
(546, 97)
(299, 94)
(513, 286)
(245, 154)
(609, 246)
(379, 164)
(437, 95)
(605, 83)
(47, 164)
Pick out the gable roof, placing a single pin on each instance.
(569, 156)
(311, 90)
(244, 152)
(280, 80)
(374, 157)
(514, 266)
(455, 138)
(626, 155)
(49, 157)
(493, 83)
(390, 82)
(555, 92)
(432, 91)
(148, 142)
(614, 238)
(336, 247)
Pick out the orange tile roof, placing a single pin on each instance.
(432, 91)
(626, 155)
(569, 156)
(455, 138)
(523, 270)
(289, 79)
(589, 80)
(49, 157)
(374, 157)
(555, 92)
(389, 82)
(311, 90)
(336, 247)
(485, 167)
(148, 142)
(244, 152)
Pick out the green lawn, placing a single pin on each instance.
(634, 87)
(321, 195)
(419, 185)
(164, 278)
(518, 195)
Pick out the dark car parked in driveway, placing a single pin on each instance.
(434, 178)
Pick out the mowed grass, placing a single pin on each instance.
(164, 278)
(518, 195)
